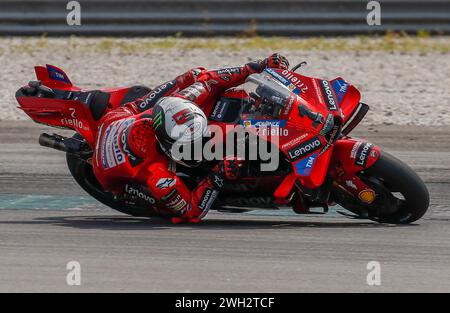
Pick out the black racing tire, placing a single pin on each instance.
(83, 174)
(399, 177)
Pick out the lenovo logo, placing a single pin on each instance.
(363, 154)
(305, 148)
(329, 95)
(140, 194)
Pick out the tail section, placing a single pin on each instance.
(53, 100)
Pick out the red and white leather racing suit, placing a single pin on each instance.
(127, 158)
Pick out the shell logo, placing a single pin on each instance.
(247, 123)
(367, 196)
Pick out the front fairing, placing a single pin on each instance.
(274, 112)
(304, 121)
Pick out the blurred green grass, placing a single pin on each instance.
(422, 42)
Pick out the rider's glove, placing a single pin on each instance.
(276, 60)
(194, 214)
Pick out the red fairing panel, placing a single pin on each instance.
(318, 171)
(350, 102)
(351, 156)
(303, 140)
(60, 113)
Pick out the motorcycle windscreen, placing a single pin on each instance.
(314, 90)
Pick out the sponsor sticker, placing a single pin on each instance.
(193, 92)
(229, 70)
(112, 155)
(57, 74)
(207, 199)
(174, 201)
(264, 123)
(340, 88)
(73, 122)
(273, 131)
(328, 125)
(219, 111)
(157, 121)
(277, 76)
(367, 196)
(304, 166)
(134, 160)
(216, 180)
(305, 148)
(196, 72)
(140, 193)
(363, 153)
(98, 145)
(103, 150)
(183, 116)
(110, 160)
(289, 80)
(318, 92)
(328, 93)
(355, 149)
(351, 184)
(296, 85)
(164, 183)
(151, 99)
(295, 141)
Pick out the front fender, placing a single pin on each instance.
(352, 155)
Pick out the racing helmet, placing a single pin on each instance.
(179, 125)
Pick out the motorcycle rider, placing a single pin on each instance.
(133, 152)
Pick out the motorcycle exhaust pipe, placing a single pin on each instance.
(53, 141)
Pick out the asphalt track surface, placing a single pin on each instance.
(46, 220)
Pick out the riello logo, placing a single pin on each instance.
(72, 122)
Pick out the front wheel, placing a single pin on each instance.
(402, 196)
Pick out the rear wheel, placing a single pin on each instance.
(83, 174)
(402, 196)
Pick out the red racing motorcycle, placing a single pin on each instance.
(306, 120)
